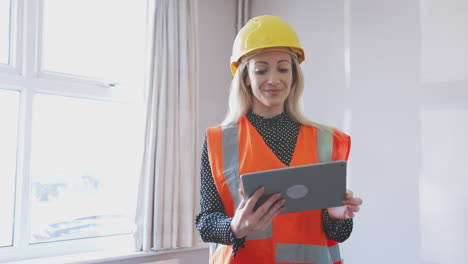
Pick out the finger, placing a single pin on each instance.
(252, 201)
(273, 210)
(241, 192)
(353, 208)
(242, 204)
(359, 201)
(264, 208)
(349, 194)
(353, 201)
(280, 210)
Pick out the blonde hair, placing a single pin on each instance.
(240, 97)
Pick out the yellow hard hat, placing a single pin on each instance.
(264, 32)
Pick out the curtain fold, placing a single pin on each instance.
(167, 190)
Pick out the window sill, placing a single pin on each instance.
(106, 256)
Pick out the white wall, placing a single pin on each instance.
(217, 22)
(394, 75)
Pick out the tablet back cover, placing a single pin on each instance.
(307, 187)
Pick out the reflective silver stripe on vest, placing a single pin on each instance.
(335, 253)
(300, 253)
(231, 171)
(324, 145)
(231, 161)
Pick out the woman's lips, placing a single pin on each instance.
(273, 92)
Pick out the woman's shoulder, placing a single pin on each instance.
(325, 129)
(227, 124)
(219, 127)
(339, 133)
(217, 131)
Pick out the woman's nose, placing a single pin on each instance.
(273, 78)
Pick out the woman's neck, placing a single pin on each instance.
(267, 112)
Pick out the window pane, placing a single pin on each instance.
(104, 39)
(84, 167)
(9, 105)
(4, 31)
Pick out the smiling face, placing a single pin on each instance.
(270, 77)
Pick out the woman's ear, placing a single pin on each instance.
(245, 77)
(247, 81)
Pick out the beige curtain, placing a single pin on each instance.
(168, 188)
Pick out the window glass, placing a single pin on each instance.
(4, 31)
(84, 168)
(103, 39)
(9, 105)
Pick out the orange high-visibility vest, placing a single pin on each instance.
(292, 238)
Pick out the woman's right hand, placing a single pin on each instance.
(246, 221)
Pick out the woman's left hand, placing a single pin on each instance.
(351, 206)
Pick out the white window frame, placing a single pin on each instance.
(15, 56)
(25, 75)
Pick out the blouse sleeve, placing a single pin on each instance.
(336, 229)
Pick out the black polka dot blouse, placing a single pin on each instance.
(280, 134)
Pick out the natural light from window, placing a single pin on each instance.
(4, 31)
(104, 39)
(71, 143)
(84, 168)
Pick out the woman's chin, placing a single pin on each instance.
(274, 104)
(276, 101)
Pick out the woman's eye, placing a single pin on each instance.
(260, 71)
(283, 70)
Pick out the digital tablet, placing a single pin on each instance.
(307, 187)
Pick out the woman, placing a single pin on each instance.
(265, 129)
